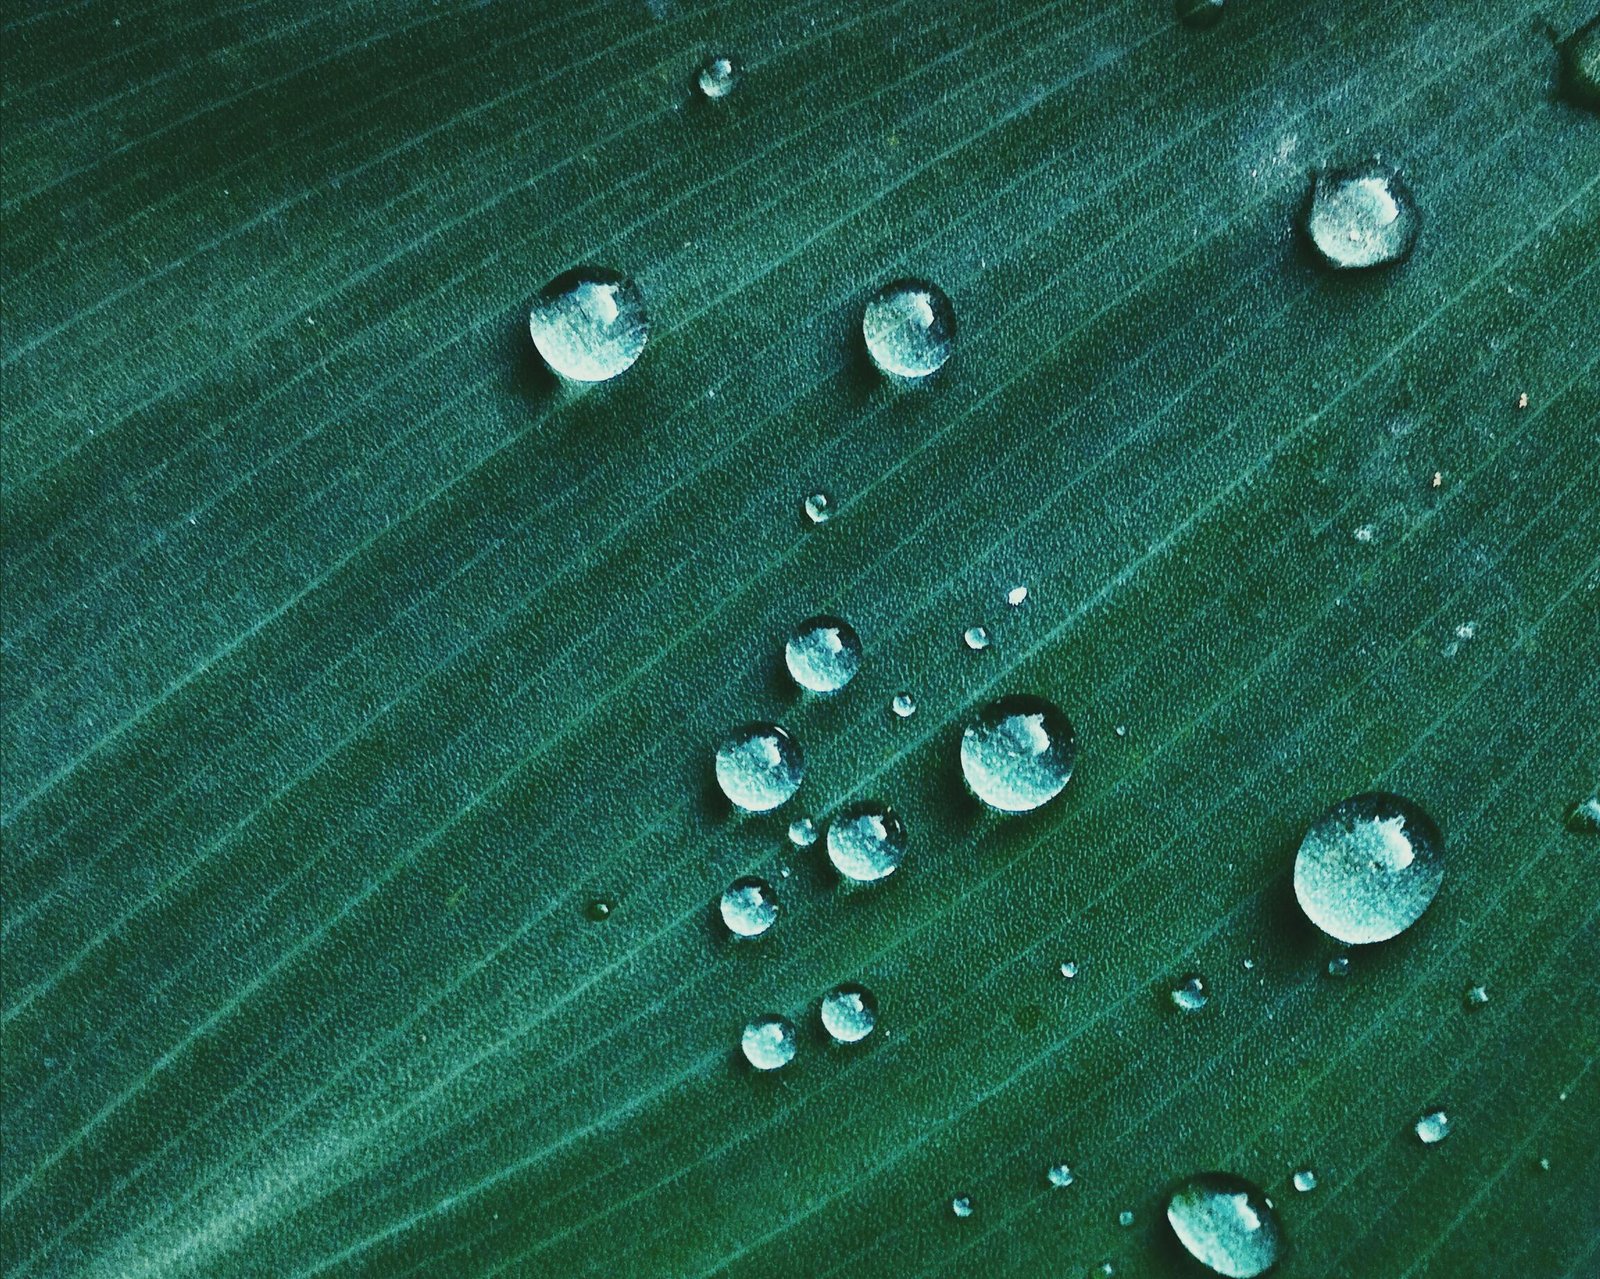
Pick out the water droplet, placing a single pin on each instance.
(717, 77)
(819, 508)
(1190, 994)
(1362, 217)
(1121, 730)
(600, 908)
(866, 842)
(1580, 65)
(1476, 997)
(1125, 1218)
(1017, 753)
(1583, 818)
(823, 654)
(1305, 1181)
(1199, 15)
(768, 1042)
(802, 832)
(976, 638)
(1433, 1127)
(1369, 867)
(759, 766)
(1069, 970)
(910, 328)
(1227, 1224)
(849, 1012)
(1364, 533)
(1339, 966)
(1248, 962)
(589, 323)
(749, 907)
(1060, 1176)
(961, 1206)
(1016, 596)
(1544, 1164)
(904, 705)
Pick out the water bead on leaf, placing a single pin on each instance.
(1226, 1224)
(866, 842)
(1017, 753)
(910, 328)
(768, 1042)
(823, 654)
(759, 766)
(1369, 867)
(1362, 217)
(589, 323)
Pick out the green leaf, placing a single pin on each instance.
(349, 658)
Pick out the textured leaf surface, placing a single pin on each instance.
(348, 658)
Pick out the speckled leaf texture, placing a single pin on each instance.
(350, 657)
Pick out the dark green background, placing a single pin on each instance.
(348, 657)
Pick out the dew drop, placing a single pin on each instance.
(866, 842)
(976, 638)
(749, 907)
(1199, 15)
(768, 1042)
(1305, 1181)
(1583, 818)
(1544, 1164)
(1339, 966)
(1060, 1176)
(600, 908)
(904, 705)
(759, 766)
(1361, 217)
(802, 832)
(1433, 1127)
(819, 508)
(823, 654)
(1125, 1218)
(849, 1012)
(1069, 970)
(1476, 997)
(1226, 1224)
(1017, 753)
(717, 77)
(961, 1206)
(1369, 867)
(1580, 65)
(1016, 596)
(910, 328)
(589, 323)
(1190, 994)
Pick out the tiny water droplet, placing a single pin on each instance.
(904, 705)
(1016, 596)
(749, 907)
(759, 766)
(866, 842)
(589, 323)
(768, 1042)
(819, 508)
(1476, 997)
(1226, 1224)
(717, 77)
(1305, 1181)
(1069, 970)
(1433, 1127)
(1544, 1165)
(1248, 962)
(600, 908)
(803, 832)
(823, 654)
(1583, 818)
(1190, 994)
(849, 1012)
(1125, 1218)
(1339, 966)
(1361, 217)
(909, 327)
(1365, 533)
(1121, 730)
(1060, 1176)
(1199, 15)
(961, 1206)
(1580, 65)
(1369, 867)
(976, 638)
(1017, 753)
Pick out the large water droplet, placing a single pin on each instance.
(1227, 1224)
(1017, 753)
(961, 1206)
(749, 907)
(1199, 15)
(768, 1042)
(849, 1012)
(1369, 867)
(1361, 217)
(866, 842)
(823, 654)
(1580, 65)
(819, 508)
(1583, 818)
(589, 323)
(717, 77)
(1305, 1181)
(802, 832)
(910, 328)
(1060, 1176)
(1190, 994)
(759, 766)
(1433, 1127)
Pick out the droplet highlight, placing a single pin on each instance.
(759, 766)
(1305, 1181)
(589, 324)
(1433, 1127)
(961, 1206)
(1226, 1224)
(823, 654)
(866, 842)
(768, 1042)
(1059, 1176)
(718, 77)
(1369, 867)
(1017, 596)
(1475, 997)
(818, 508)
(904, 705)
(1361, 218)
(1190, 994)
(976, 638)
(849, 1013)
(910, 328)
(749, 907)
(1017, 753)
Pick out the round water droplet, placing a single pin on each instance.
(1580, 65)
(768, 1042)
(1249, 963)
(1069, 970)
(1305, 1181)
(749, 907)
(961, 1206)
(904, 705)
(1017, 596)
(910, 328)
(589, 323)
(823, 654)
(1125, 1218)
(802, 832)
(1433, 1127)
(866, 842)
(1199, 15)
(1059, 1175)
(1226, 1224)
(1190, 994)
(1017, 753)
(600, 908)
(849, 1012)
(1476, 997)
(1369, 867)
(819, 508)
(1362, 217)
(976, 638)
(1339, 966)
(1583, 818)
(759, 766)
(717, 77)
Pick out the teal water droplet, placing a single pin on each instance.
(961, 1206)
(749, 907)
(718, 77)
(589, 323)
(1580, 65)
(1017, 596)
(1476, 997)
(768, 1042)
(1190, 994)
(803, 832)
(849, 1013)
(904, 705)
(1433, 1127)
(599, 908)
(1368, 868)
(1583, 818)
(1069, 970)
(1361, 217)
(759, 766)
(1339, 966)
(1226, 1224)
(819, 508)
(1125, 1218)
(976, 638)
(1059, 1176)
(1017, 753)
(823, 654)
(1199, 15)
(910, 328)
(1305, 1181)
(866, 842)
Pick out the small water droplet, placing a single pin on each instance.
(768, 1042)
(589, 323)
(1369, 867)
(1476, 997)
(1125, 1218)
(1544, 1165)
(904, 705)
(823, 654)
(1361, 217)
(1190, 994)
(1305, 1181)
(600, 908)
(1016, 596)
(849, 1012)
(1248, 962)
(1060, 1176)
(819, 508)
(961, 1206)
(749, 907)
(1199, 15)
(976, 638)
(1226, 1224)
(717, 77)
(1580, 65)
(866, 842)
(1069, 970)
(803, 832)
(1583, 818)
(1339, 966)
(1121, 730)
(1433, 1127)
(1017, 753)
(759, 766)
(1364, 533)
(909, 327)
